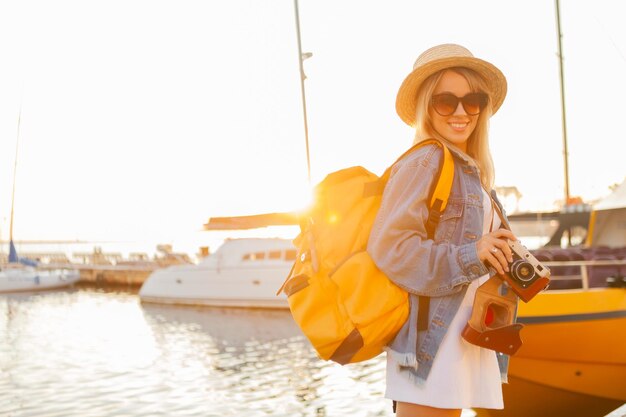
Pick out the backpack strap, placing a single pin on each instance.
(440, 190)
(439, 194)
(438, 201)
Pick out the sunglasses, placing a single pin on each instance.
(473, 103)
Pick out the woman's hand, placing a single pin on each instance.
(494, 250)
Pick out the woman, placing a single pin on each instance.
(450, 95)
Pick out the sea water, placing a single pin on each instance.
(89, 352)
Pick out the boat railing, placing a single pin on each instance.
(563, 270)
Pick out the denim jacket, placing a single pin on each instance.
(440, 268)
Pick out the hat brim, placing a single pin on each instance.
(406, 100)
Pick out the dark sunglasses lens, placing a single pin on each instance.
(445, 104)
(474, 103)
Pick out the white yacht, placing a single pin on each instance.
(244, 272)
(15, 278)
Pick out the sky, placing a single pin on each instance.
(141, 119)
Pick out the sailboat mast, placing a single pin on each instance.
(564, 124)
(302, 78)
(17, 145)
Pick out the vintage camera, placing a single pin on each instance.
(491, 324)
(526, 276)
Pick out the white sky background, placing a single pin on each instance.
(141, 119)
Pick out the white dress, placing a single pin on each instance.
(463, 375)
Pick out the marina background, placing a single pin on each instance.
(139, 120)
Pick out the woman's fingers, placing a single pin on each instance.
(495, 260)
(494, 249)
(500, 256)
(503, 247)
(503, 234)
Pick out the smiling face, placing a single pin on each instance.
(458, 126)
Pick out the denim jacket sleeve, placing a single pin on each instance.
(398, 242)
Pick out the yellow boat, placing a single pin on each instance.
(573, 360)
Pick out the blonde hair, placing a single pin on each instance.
(478, 142)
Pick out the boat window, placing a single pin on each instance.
(290, 254)
(274, 254)
(256, 256)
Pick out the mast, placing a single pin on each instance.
(564, 124)
(13, 258)
(301, 58)
(17, 144)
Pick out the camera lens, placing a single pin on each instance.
(522, 270)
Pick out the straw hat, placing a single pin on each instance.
(441, 57)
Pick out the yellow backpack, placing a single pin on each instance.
(347, 308)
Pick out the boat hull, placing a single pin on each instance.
(21, 280)
(573, 360)
(225, 287)
(523, 398)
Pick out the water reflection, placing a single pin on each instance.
(258, 362)
(88, 352)
(93, 353)
(243, 360)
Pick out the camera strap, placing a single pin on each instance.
(491, 212)
(496, 206)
